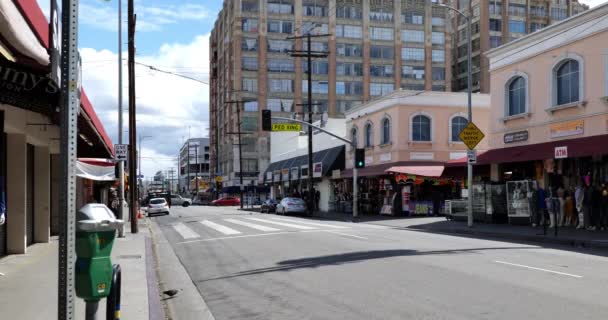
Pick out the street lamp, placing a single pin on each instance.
(470, 111)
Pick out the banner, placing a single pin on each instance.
(317, 170)
(27, 88)
(565, 129)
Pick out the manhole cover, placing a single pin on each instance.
(130, 256)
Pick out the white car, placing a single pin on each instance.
(291, 205)
(158, 206)
(177, 200)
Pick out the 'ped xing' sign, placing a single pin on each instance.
(286, 127)
(121, 152)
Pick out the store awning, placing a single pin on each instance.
(330, 159)
(380, 169)
(581, 147)
(95, 169)
(423, 171)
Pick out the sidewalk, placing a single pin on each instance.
(31, 280)
(565, 235)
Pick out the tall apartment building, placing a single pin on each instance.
(494, 23)
(375, 47)
(194, 157)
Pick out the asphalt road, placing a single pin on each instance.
(261, 266)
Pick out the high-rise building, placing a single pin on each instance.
(194, 159)
(494, 23)
(375, 47)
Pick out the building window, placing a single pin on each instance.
(314, 28)
(559, 13)
(535, 26)
(382, 52)
(517, 9)
(517, 96)
(280, 85)
(458, 124)
(495, 25)
(249, 63)
(567, 79)
(249, 44)
(381, 14)
(349, 12)
(516, 26)
(280, 6)
(538, 11)
(250, 165)
(438, 21)
(250, 25)
(438, 38)
(416, 54)
(318, 67)
(349, 87)
(314, 8)
(412, 72)
(320, 87)
(349, 50)
(412, 36)
(349, 69)
(249, 5)
(381, 70)
(412, 17)
(250, 85)
(421, 128)
(379, 89)
(495, 41)
(276, 26)
(282, 46)
(386, 131)
(438, 87)
(438, 74)
(348, 31)
(280, 65)
(438, 55)
(353, 136)
(369, 138)
(377, 33)
(249, 123)
(251, 106)
(279, 105)
(315, 46)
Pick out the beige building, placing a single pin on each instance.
(374, 48)
(497, 22)
(549, 116)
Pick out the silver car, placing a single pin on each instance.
(291, 205)
(158, 206)
(177, 200)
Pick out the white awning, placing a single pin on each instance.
(95, 172)
(15, 29)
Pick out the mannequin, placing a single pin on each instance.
(569, 209)
(579, 197)
(562, 202)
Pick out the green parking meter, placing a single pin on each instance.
(95, 232)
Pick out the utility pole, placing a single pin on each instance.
(70, 105)
(121, 164)
(188, 166)
(309, 54)
(132, 121)
(239, 133)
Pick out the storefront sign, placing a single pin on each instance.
(304, 171)
(317, 170)
(285, 174)
(422, 155)
(277, 176)
(385, 157)
(420, 208)
(565, 129)
(518, 136)
(27, 88)
(269, 176)
(335, 174)
(457, 155)
(369, 160)
(561, 152)
(295, 173)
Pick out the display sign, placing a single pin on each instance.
(335, 174)
(285, 174)
(471, 156)
(565, 129)
(518, 136)
(121, 152)
(422, 155)
(277, 176)
(317, 171)
(471, 135)
(27, 88)
(304, 171)
(268, 176)
(561, 152)
(286, 127)
(295, 173)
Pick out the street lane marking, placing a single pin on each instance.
(312, 223)
(347, 235)
(539, 269)
(296, 226)
(252, 236)
(185, 232)
(218, 227)
(252, 225)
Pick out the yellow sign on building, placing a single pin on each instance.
(286, 127)
(471, 135)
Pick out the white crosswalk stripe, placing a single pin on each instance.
(218, 227)
(291, 225)
(184, 231)
(252, 225)
(313, 223)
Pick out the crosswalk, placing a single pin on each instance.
(239, 227)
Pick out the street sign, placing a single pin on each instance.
(286, 127)
(140, 176)
(471, 156)
(471, 135)
(121, 151)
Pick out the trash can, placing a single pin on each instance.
(96, 228)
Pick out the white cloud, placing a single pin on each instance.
(593, 3)
(169, 107)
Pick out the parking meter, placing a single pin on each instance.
(95, 232)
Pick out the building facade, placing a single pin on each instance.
(194, 160)
(497, 22)
(375, 47)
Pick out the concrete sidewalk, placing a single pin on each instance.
(31, 280)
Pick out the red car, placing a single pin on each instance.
(226, 201)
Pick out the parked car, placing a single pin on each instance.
(177, 200)
(158, 206)
(269, 206)
(226, 201)
(291, 205)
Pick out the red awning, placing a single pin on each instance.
(87, 107)
(380, 169)
(581, 147)
(423, 171)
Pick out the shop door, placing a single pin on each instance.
(29, 209)
(2, 182)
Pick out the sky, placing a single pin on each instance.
(172, 35)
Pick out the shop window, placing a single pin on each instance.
(516, 96)
(567, 80)
(421, 128)
(456, 125)
(386, 131)
(369, 138)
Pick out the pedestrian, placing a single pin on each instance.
(579, 197)
(317, 198)
(114, 203)
(587, 206)
(604, 207)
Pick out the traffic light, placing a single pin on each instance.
(359, 158)
(266, 120)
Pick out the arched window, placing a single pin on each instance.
(567, 80)
(421, 128)
(458, 123)
(517, 96)
(369, 141)
(386, 131)
(353, 135)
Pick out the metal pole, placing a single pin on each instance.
(188, 165)
(355, 189)
(311, 194)
(470, 111)
(121, 164)
(139, 169)
(91, 308)
(238, 116)
(197, 164)
(132, 120)
(70, 104)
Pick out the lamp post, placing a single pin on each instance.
(469, 109)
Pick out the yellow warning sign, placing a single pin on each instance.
(286, 127)
(471, 135)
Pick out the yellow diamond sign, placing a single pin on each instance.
(471, 135)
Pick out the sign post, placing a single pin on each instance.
(471, 136)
